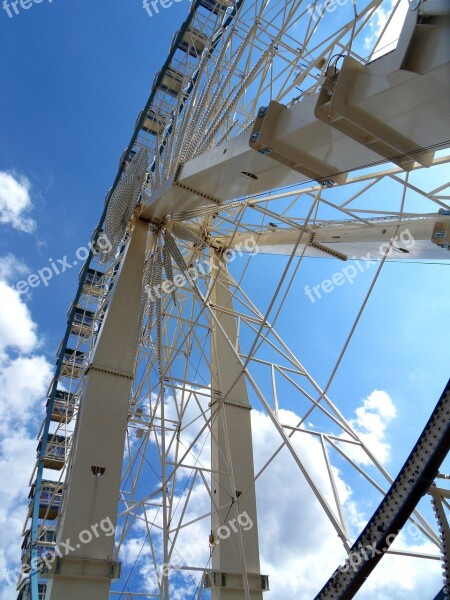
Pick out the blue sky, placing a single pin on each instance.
(75, 74)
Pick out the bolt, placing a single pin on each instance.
(262, 112)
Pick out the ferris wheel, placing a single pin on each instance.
(275, 131)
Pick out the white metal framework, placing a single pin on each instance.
(167, 357)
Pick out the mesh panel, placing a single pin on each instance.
(123, 201)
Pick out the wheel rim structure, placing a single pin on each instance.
(205, 351)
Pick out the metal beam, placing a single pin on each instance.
(95, 469)
(354, 240)
(235, 560)
(393, 109)
(412, 482)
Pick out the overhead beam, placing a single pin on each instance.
(392, 109)
(353, 240)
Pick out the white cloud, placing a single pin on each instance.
(22, 381)
(15, 202)
(388, 39)
(295, 536)
(17, 329)
(404, 578)
(24, 378)
(372, 420)
(10, 267)
(299, 547)
(16, 449)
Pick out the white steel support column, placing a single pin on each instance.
(235, 557)
(90, 500)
